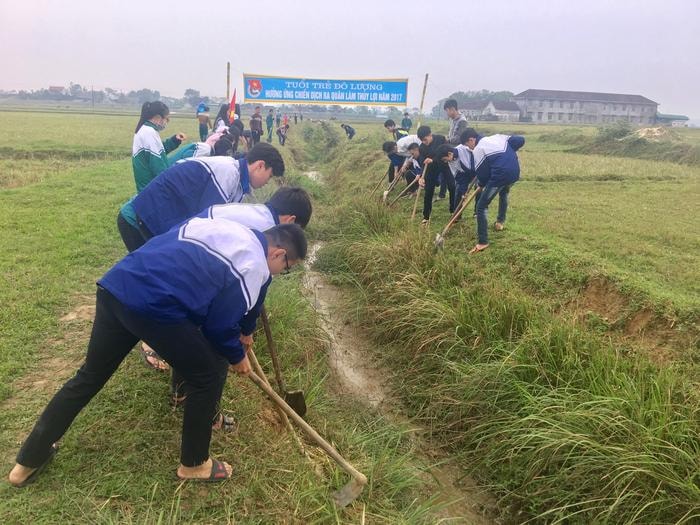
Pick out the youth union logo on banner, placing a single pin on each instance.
(254, 87)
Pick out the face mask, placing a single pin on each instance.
(162, 125)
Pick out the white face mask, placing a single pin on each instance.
(162, 124)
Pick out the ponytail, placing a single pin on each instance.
(150, 110)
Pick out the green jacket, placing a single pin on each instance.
(149, 154)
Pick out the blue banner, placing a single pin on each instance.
(289, 90)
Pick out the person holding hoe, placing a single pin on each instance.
(187, 293)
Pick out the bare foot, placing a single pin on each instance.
(19, 474)
(203, 471)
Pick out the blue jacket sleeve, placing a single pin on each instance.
(483, 172)
(222, 326)
(516, 142)
(251, 318)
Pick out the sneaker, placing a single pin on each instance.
(425, 222)
(499, 226)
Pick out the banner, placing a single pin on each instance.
(291, 90)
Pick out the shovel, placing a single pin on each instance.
(295, 398)
(352, 489)
(440, 237)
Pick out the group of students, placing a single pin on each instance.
(191, 287)
(455, 163)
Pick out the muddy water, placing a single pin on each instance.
(350, 360)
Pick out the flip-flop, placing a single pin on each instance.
(218, 473)
(478, 249)
(145, 354)
(32, 477)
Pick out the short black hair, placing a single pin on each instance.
(469, 133)
(388, 123)
(423, 132)
(223, 146)
(450, 103)
(292, 200)
(268, 154)
(406, 114)
(443, 150)
(388, 146)
(290, 237)
(413, 145)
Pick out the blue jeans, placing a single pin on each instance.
(487, 195)
(462, 181)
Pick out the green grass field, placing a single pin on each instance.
(559, 368)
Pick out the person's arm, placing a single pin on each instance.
(483, 172)
(173, 142)
(516, 142)
(251, 318)
(222, 328)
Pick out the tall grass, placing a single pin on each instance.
(555, 419)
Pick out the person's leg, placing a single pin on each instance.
(109, 344)
(487, 195)
(430, 184)
(450, 181)
(503, 204)
(203, 132)
(443, 186)
(460, 187)
(390, 173)
(204, 370)
(410, 177)
(131, 236)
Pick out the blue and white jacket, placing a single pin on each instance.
(212, 272)
(187, 188)
(495, 160)
(259, 217)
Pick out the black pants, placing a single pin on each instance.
(115, 331)
(431, 182)
(131, 236)
(255, 135)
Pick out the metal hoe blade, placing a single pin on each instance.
(348, 493)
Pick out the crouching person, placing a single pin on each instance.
(186, 293)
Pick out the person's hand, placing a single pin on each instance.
(181, 137)
(428, 161)
(421, 182)
(246, 341)
(242, 368)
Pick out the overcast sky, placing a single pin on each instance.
(640, 47)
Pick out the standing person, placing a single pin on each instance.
(397, 132)
(430, 143)
(278, 119)
(406, 122)
(204, 121)
(295, 118)
(349, 131)
(282, 133)
(458, 122)
(221, 121)
(301, 117)
(256, 126)
(149, 152)
(497, 169)
(193, 185)
(270, 122)
(188, 293)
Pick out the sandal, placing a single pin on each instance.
(32, 477)
(224, 423)
(146, 353)
(478, 248)
(218, 473)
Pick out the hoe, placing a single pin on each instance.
(468, 197)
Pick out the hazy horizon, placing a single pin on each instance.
(624, 47)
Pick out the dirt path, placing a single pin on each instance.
(350, 361)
